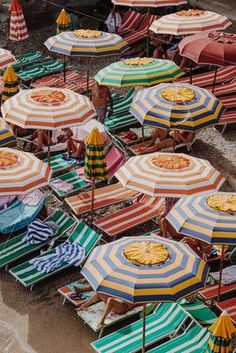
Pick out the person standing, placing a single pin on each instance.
(101, 99)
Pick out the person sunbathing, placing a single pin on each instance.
(114, 305)
(43, 138)
(75, 147)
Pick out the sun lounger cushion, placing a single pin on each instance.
(18, 215)
(16, 247)
(105, 196)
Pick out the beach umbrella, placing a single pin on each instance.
(6, 58)
(18, 29)
(190, 22)
(145, 269)
(138, 72)
(6, 133)
(95, 167)
(222, 331)
(21, 172)
(211, 219)
(213, 48)
(177, 106)
(88, 44)
(11, 84)
(169, 175)
(63, 21)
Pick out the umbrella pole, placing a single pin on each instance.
(191, 73)
(87, 73)
(92, 206)
(143, 133)
(64, 67)
(214, 81)
(220, 272)
(144, 327)
(148, 31)
(49, 155)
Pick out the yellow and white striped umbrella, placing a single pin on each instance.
(6, 58)
(169, 175)
(21, 172)
(149, 3)
(47, 108)
(190, 22)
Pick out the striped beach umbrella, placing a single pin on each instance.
(11, 84)
(177, 106)
(63, 21)
(169, 175)
(145, 269)
(6, 133)
(47, 108)
(6, 58)
(190, 22)
(138, 72)
(222, 332)
(149, 3)
(95, 167)
(21, 172)
(18, 29)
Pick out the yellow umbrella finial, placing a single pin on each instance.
(10, 75)
(223, 326)
(63, 19)
(95, 138)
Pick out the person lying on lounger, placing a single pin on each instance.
(75, 147)
(43, 138)
(164, 139)
(114, 305)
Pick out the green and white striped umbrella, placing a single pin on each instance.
(139, 72)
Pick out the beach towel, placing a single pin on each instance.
(39, 231)
(33, 198)
(228, 275)
(62, 185)
(67, 252)
(6, 201)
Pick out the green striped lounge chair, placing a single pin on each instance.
(59, 165)
(15, 248)
(123, 104)
(28, 59)
(28, 275)
(164, 322)
(199, 311)
(33, 72)
(120, 121)
(194, 340)
(72, 178)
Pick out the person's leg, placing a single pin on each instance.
(80, 150)
(94, 299)
(169, 142)
(115, 306)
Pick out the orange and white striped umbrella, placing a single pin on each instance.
(149, 3)
(169, 175)
(6, 58)
(21, 172)
(48, 108)
(190, 22)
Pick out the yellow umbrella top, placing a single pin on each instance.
(95, 138)
(223, 326)
(10, 75)
(63, 19)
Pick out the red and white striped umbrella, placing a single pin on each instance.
(18, 29)
(149, 3)
(190, 22)
(169, 175)
(6, 58)
(48, 108)
(21, 172)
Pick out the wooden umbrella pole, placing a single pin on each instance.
(87, 73)
(92, 206)
(220, 272)
(191, 73)
(49, 155)
(144, 328)
(214, 81)
(148, 31)
(64, 67)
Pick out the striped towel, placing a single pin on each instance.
(39, 231)
(67, 252)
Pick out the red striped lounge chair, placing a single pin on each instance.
(142, 32)
(140, 212)
(103, 197)
(130, 22)
(225, 89)
(229, 101)
(207, 78)
(211, 292)
(228, 305)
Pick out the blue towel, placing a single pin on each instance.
(67, 252)
(39, 231)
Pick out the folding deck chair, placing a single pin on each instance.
(103, 197)
(228, 305)
(58, 164)
(28, 275)
(73, 179)
(142, 31)
(68, 289)
(140, 212)
(166, 321)
(120, 121)
(225, 89)
(130, 22)
(15, 248)
(29, 59)
(199, 311)
(123, 104)
(33, 72)
(211, 291)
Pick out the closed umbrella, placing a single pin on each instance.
(95, 167)
(6, 133)
(10, 84)
(177, 106)
(63, 21)
(18, 29)
(6, 58)
(145, 269)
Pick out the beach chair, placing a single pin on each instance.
(123, 104)
(199, 311)
(229, 117)
(103, 197)
(142, 31)
(18, 215)
(229, 101)
(58, 164)
(140, 212)
(33, 72)
(130, 22)
(194, 340)
(134, 135)
(28, 275)
(120, 121)
(225, 89)
(68, 289)
(15, 248)
(29, 59)
(73, 179)
(166, 321)
(228, 305)
(211, 291)
(207, 78)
